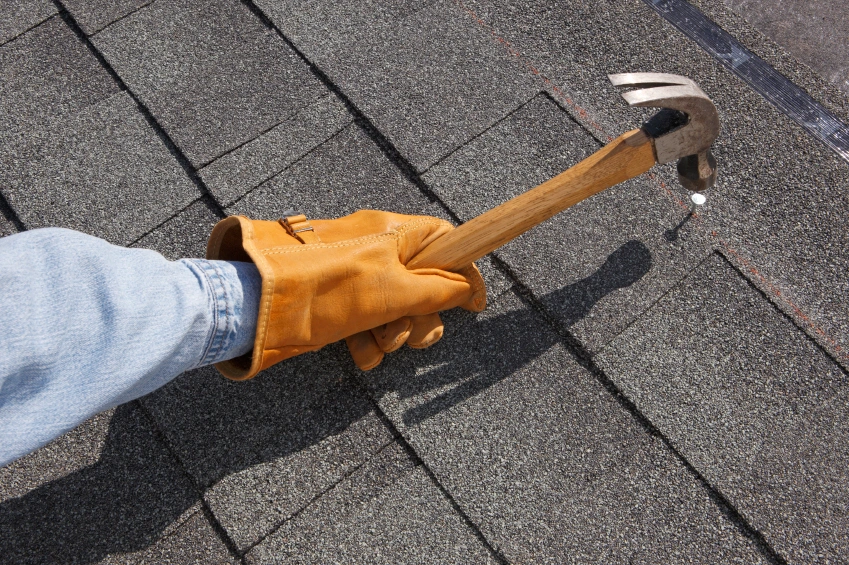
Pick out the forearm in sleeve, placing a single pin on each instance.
(85, 326)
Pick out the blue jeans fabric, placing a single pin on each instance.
(86, 326)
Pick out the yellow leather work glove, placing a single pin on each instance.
(326, 280)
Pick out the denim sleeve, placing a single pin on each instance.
(85, 326)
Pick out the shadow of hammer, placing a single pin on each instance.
(684, 129)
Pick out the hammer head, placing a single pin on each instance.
(686, 127)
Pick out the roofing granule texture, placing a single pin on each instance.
(109, 487)
(324, 29)
(102, 171)
(210, 72)
(94, 15)
(815, 32)
(7, 227)
(429, 81)
(185, 234)
(345, 174)
(48, 73)
(265, 448)
(754, 405)
(233, 175)
(18, 16)
(387, 511)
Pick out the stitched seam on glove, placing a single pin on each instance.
(476, 282)
(394, 234)
(394, 344)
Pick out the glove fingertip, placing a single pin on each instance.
(364, 350)
(393, 335)
(426, 331)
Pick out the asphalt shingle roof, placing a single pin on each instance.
(645, 386)
(197, 66)
(758, 408)
(20, 15)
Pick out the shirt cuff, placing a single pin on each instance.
(233, 290)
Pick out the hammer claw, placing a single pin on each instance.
(662, 96)
(648, 80)
(662, 90)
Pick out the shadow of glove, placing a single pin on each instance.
(327, 280)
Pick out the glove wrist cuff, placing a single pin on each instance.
(238, 238)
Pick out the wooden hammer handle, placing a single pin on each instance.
(629, 155)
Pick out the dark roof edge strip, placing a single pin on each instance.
(778, 90)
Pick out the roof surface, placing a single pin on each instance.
(646, 386)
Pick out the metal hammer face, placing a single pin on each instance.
(686, 127)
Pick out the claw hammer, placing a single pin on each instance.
(684, 129)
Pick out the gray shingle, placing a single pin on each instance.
(266, 447)
(107, 487)
(776, 208)
(323, 28)
(47, 73)
(231, 176)
(345, 174)
(210, 72)
(597, 265)
(429, 81)
(541, 457)
(102, 171)
(185, 234)
(17, 16)
(387, 511)
(193, 541)
(94, 15)
(67, 454)
(751, 402)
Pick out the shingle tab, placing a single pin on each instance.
(323, 28)
(541, 456)
(17, 16)
(596, 266)
(387, 511)
(236, 173)
(102, 171)
(47, 73)
(343, 175)
(109, 487)
(185, 234)
(94, 15)
(430, 81)
(264, 448)
(193, 542)
(751, 402)
(210, 72)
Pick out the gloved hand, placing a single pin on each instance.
(326, 280)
